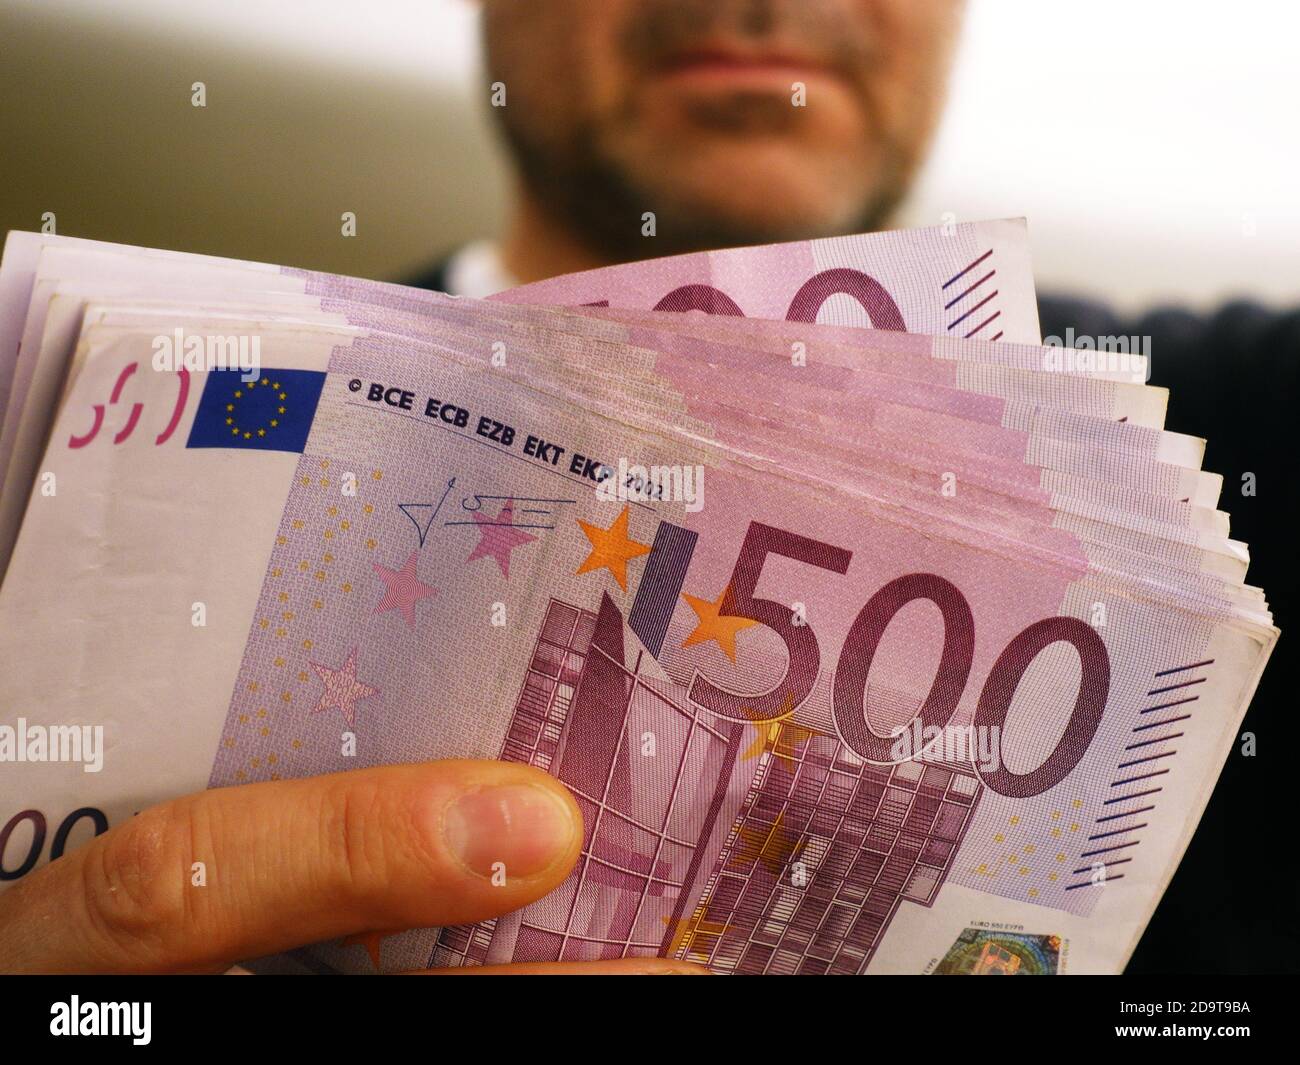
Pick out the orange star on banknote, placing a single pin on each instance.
(372, 941)
(714, 625)
(611, 548)
(769, 844)
(783, 738)
(685, 930)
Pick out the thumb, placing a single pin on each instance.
(295, 862)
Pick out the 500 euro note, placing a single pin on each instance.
(968, 280)
(793, 457)
(905, 271)
(71, 258)
(904, 278)
(808, 732)
(168, 319)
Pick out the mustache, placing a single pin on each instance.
(820, 31)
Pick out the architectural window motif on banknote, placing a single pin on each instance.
(875, 836)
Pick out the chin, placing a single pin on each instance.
(765, 193)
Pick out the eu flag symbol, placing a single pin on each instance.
(271, 413)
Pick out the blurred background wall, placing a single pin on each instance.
(1154, 147)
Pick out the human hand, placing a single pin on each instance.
(302, 861)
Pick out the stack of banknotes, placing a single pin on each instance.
(870, 635)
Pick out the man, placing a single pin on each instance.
(683, 108)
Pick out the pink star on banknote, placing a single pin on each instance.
(342, 689)
(403, 589)
(498, 537)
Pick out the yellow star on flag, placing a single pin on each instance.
(714, 625)
(611, 548)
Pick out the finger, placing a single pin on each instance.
(613, 967)
(294, 862)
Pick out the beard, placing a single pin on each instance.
(706, 181)
(603, 195)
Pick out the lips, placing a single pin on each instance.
(729, 65)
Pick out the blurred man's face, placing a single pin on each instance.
(688, 108)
